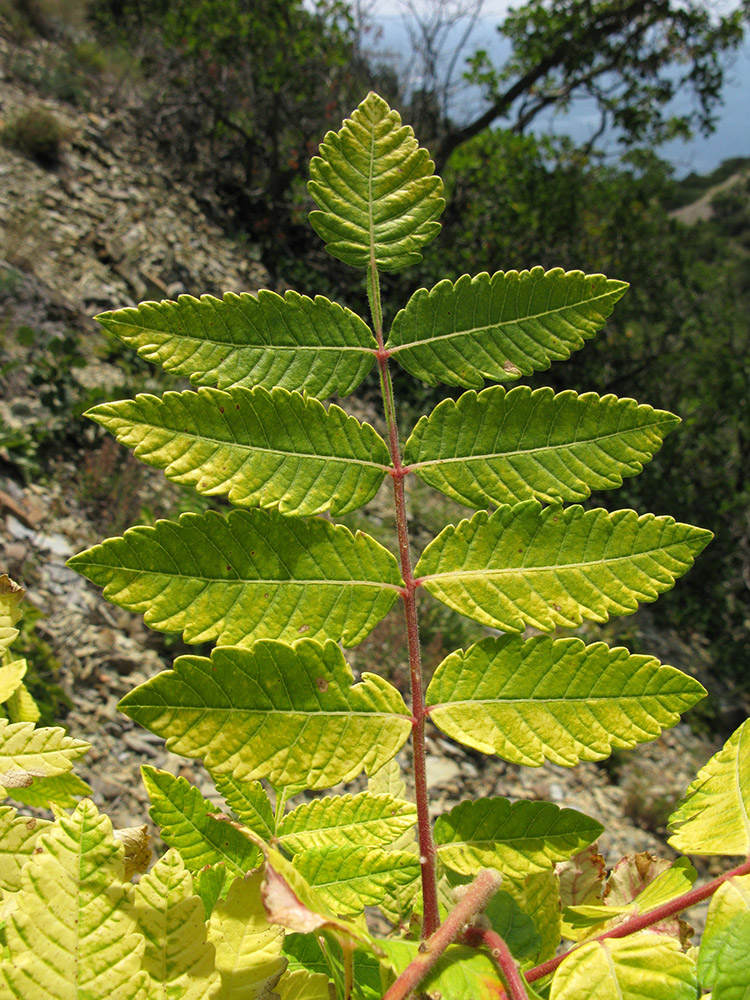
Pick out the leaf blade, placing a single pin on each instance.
(499, 327)
(253, 574)
(518, 838)
(27, 753)
(499, 447)
(246, 340)
(560, 700)
(350, 878)
(497, 568)
(375, 189)
(290, 714)
(268, 449)
(341, 820)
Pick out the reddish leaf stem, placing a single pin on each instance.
(501, 953)
(427, 851)
(478, 894)
(640, 922)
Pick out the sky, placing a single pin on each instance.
(731, 137)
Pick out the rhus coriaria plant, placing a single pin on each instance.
(289, 894)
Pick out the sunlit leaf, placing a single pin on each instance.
(72, 933)
(503, 447)
(375, 189)
(253, 574)
(516, 838)
(528, 565)
(499, 327)
(64, 790)
(724, 958)
(249, 801)
(341, 820)
(714, 815)
(555, 699)
(11, 675)
(245, 340)
(185, 823)
(27, 753)
(303, 985)
(351, 878)
(177, 958)
(260, 448)
(11, 595)
(460, 974)
(248, 948)
(641, 967)
(291, 714)
(18, 836)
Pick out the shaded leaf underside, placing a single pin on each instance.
(260, 448)
(555, 699)
(293, 342)
(524, 565)
(499, 327)
(500, 447)
(250, 575)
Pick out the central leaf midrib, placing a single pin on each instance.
(241, 446)
(518, 320)
(472, 457)
(553, 700)
(242, 580)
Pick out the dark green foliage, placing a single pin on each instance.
(38, 134)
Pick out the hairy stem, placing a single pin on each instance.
(640, 922)
(499, 950)
(427, 852)
(478, 894)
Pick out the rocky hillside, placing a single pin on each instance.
(107, 226)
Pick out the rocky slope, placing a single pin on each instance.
(106, 228)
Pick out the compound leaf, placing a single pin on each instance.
(515, 838)
(714, 815)
(524, 565)
(248, 948)
(294, 342)
(341, 820)
(260, 448)
(27, 753)
(377, 194)
(502, 447)
(555, 699)
(642, 967)
(724, 958)
(185, 822)
(253, 574)
(500, 327)
(11, 674)
(350, 878)
(18, 836)
(290, 714)
(72, 933)
(170, 917)
(11, 595)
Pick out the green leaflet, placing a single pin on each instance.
(250, 575)
(290, 714)
(503, 447)
(517, 839)
(72, 933)
(11, 595)
(724, 959)
(538, 896)
(18, 836)
(555, 699)
(500, 327)
(341, 820)
(524, 565)
(714, 815)
(27, 753)
(183, 816)
(260, 448)
(248, 801)
(171, 918)
(376, 190)
(294, 342)
(350, 878)
(642, 967)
